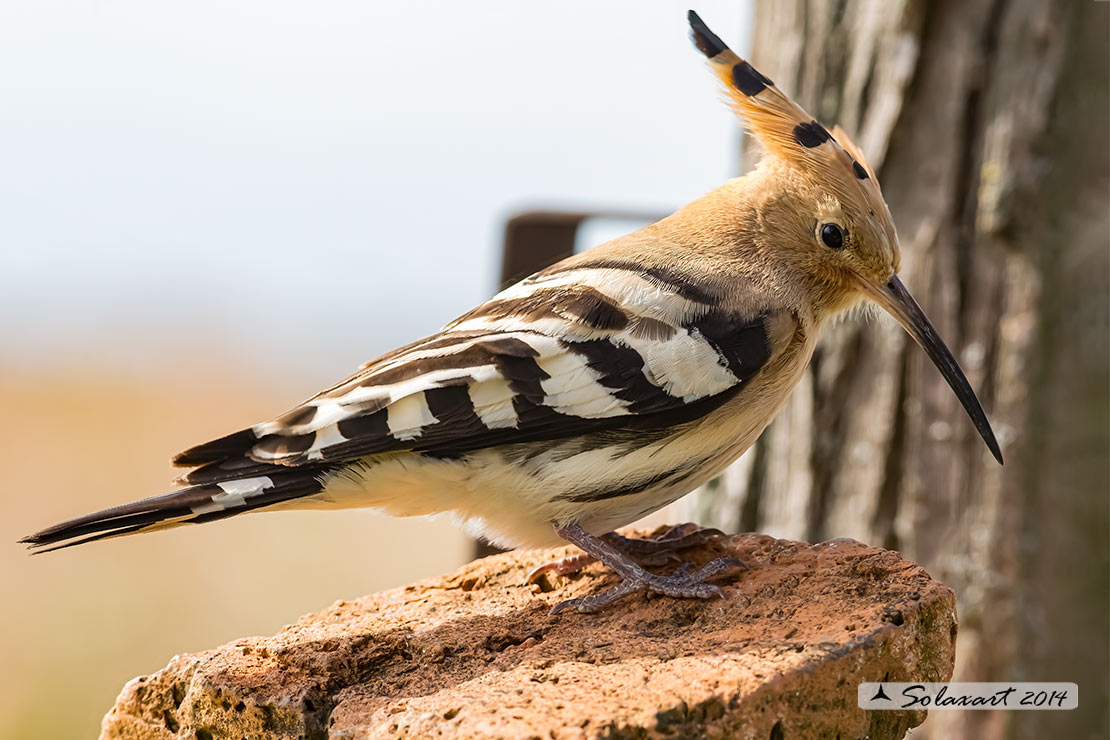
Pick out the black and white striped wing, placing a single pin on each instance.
(557, 356)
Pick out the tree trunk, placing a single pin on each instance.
(987, 123)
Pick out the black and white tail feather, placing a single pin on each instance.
(193, 505)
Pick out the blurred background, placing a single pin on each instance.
(210, 211)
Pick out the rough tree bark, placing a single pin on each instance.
(987, 123)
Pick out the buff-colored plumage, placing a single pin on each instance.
(599, 389)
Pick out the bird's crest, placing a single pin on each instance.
(782, 126)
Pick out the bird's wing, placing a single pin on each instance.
(562, 354)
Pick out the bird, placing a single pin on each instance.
(599, 389)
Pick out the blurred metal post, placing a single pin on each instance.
(537, 239)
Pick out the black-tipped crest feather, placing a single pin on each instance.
(706, 41)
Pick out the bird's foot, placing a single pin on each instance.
(682, 584)
(658, 550)
(610, 549)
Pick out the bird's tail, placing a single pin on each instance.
(193, 505)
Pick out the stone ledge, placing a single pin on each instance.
(475, 655)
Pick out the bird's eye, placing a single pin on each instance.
(833, 236)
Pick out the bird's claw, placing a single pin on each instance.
(561, 567)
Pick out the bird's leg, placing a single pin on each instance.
(680, 584)
(648, 551)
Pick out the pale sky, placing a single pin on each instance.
(308, 185)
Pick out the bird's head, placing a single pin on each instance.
(827, 213)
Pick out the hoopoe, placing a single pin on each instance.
(599, 389)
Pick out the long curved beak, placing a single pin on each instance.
(897, 301)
